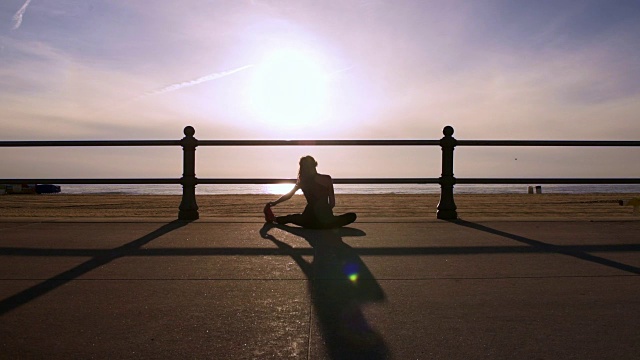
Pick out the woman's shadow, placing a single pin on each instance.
(339, 283)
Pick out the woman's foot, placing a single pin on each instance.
(268, 214)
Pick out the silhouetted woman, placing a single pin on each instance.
(318, 190)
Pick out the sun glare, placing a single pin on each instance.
(278, 189)
(289, 89)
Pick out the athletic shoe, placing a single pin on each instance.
(268, 214)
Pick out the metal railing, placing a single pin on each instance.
(446, 209)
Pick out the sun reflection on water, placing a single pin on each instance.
(277, 189)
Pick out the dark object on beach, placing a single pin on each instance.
(635, 202)
(47, 189)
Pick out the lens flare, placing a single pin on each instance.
(351, 270)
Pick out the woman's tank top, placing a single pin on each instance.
(315, 192)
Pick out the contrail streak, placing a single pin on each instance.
(199, 80)
(343, 70)
(17, 18)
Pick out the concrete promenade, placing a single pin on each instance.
(381, 289)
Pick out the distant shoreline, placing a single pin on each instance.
(353, 189)
(546, 206)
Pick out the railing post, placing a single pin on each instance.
(188, 207)
(447, 206)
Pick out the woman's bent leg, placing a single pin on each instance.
(341, 220)
(311, 220)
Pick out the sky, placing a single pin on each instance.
(333, 69)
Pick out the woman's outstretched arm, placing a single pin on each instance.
(286, 196)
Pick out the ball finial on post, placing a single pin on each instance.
(447, 131)
(189, 131)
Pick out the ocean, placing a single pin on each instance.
(230, 189)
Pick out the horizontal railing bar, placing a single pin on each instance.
(547, 181)
(335, 181)
(318, 142)
(546, 143)
(89, 143)
(89, 181)
(82, 143)
(72, 143)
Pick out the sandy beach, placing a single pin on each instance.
(517, 206)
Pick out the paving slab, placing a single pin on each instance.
(156, 288)
(161, 319)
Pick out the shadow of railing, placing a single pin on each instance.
(101, 257)
(360, 251)
(579, 252)
(98, 259)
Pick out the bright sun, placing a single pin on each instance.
(289, 89)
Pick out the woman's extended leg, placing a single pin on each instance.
(306, 219)
(296, 219)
